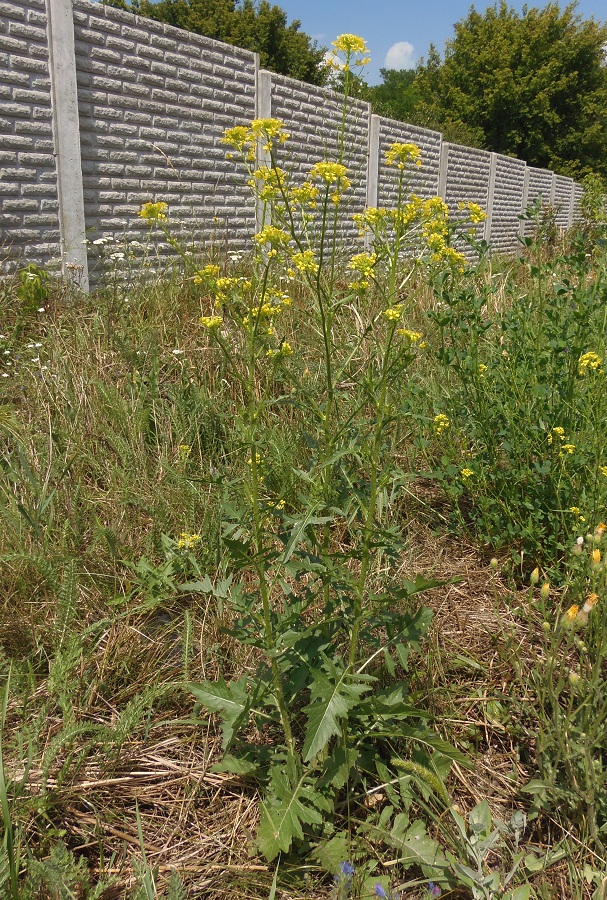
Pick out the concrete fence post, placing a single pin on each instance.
(66, 132)
(443, 165)
(524, 202)
(490, 198)
(263, 110)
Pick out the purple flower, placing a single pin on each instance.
(379, 890)
(433, 889)
(346, 868)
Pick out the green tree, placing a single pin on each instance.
(397, 96)
(533, 85)
(261, 27)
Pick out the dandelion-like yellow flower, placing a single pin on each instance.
(441, 423)
(154, 212)
(591, 602)
(545, 590)
(589, 362)
(596, 556)
(572, 612)
(211, 322)
(400, 155)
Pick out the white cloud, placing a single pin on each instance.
(400, 56)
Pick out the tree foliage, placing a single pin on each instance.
(530, 84)
(397, 96)
(261, 27)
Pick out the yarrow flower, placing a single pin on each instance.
(154, 212)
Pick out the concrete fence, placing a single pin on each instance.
(101, 111)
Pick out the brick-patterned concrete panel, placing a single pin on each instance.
(540, 185)
(562, 200)
(467, 179)
(154, 104)
(578, 193)
(29, 230)
(422, 181)
(507, 203)
(313, 117)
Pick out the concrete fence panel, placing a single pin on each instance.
(102, 110)
(29, 202)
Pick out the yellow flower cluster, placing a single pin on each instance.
(589, 362)
(394, 313)
(475, 212)
(187, 541)
(154, 212)
(412, 336)
(211, 322)
(363, 264)
(305, 262)
(603, 470)
(401, 155)
(577, 616)
(333, 174)
(269, 182)
(244, 138)
(285, 349)
(557, 432)
(466, 474)
(441, 423)
(353, 48)
(273, 237)
(306, 194)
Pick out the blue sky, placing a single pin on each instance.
(406, 26)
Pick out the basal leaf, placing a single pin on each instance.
(285, 809)
(231, 701)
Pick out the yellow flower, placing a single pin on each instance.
(353, 48)
(306, 194)
(237, 137)
(441, 422)
(589, 361)
(572, 612)
(187, 541)
(568, 448)
(545, 590)
(467, 473)
(591, 602)
(400, 155)
(534, 577)
(154, 212)
(482, 369)
(257, 459)
(184, 451)
(596, 556)
(412, 336)
(393, 314)
(475, 212)
(275, 237)
(556, 432)
(305, 262)
(603, 470)
(331, 173)
(211, 322)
